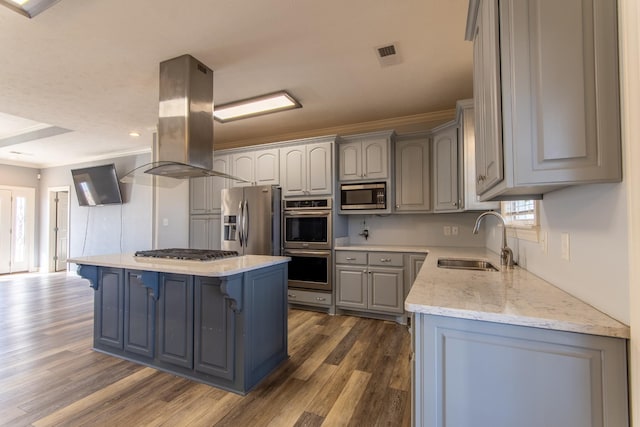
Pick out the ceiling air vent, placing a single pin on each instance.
(388, 54)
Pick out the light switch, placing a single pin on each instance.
(165, 222)
(454, 230)
(564, 243)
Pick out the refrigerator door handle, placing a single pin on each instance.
(241, 224)
(245, 225)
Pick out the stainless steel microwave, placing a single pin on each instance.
(366, 196)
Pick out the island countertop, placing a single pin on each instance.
(214, 268)
(512, 296)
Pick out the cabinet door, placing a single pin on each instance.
(319, 170)
(563, 88)
(217, 184)
(242, 166)
(350, 161)
(214, 330)
(412, 175)
(175, 320)
(108, 308)
(375, 158)
(445, 169)
(351, 287)
(486, 78)
(199, 232)
(293, 171)
(386, 290)
(139, 316)
(199, 195)
(267, 167)
(475, 373)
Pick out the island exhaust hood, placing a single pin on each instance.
(184, 147)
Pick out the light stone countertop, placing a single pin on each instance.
(215, 268)
(514, 296)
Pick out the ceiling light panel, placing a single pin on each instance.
(256, 106)
(28, 8)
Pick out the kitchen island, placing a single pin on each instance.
(506, 348)
(220, 322)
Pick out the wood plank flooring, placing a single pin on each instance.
(342, 370)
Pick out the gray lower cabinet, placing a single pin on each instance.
(139, 315)
(229, 332)
(175, 320)
(109, 308)
(477, 373)
(362, 283)
(214, 337)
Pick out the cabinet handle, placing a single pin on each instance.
(291, 295)
(397, 206)
(320, 299)
(350, 259)
(481, 178)
(385, 259)
(454, 204)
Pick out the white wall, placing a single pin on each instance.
(595, 217)
(101, 229)
(416, 230)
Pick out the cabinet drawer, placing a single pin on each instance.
(309, 297)
(386, 259)
(351, 257)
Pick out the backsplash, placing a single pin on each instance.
(416, 230)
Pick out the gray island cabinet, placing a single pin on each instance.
(222, 323)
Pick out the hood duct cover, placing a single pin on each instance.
(184, 147)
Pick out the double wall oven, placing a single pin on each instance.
(308, 240)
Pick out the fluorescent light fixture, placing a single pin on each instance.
(256, 106)
(28, 8)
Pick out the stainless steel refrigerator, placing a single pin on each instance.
(251, 220)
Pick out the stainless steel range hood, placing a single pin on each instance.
(185, 124)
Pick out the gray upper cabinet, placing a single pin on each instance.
(259, 167)
(412, 184)
(467, 159)
(365, 157)
(546, 95)
(446, 194)
(205, 191)
(306, 169)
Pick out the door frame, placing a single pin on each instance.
(51, 236)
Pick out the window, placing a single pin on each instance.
(522, 218)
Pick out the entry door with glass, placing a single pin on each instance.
(16, 228)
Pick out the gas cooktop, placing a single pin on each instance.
(188, 254)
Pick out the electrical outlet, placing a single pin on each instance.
(447, 230)
(454, 230)
(564, 244)
(544, 245)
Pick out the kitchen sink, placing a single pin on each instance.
(466, 264)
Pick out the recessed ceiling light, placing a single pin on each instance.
(134, 134)
(256, 106)
(28, 8)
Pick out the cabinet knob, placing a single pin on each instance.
(320, 299)
(397, 206)
(385, 259)
(454, 204)
(291, 295)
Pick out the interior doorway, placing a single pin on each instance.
(17, 226)
(58, 228)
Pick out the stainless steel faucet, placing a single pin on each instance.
(506, 254)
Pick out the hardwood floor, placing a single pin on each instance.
(342, 370)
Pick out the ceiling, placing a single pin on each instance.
(89, 68)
